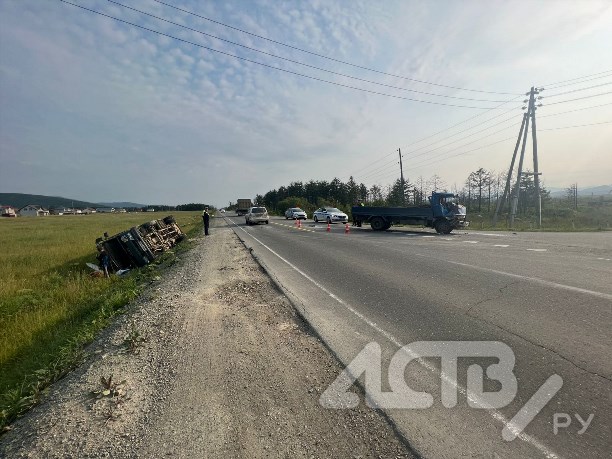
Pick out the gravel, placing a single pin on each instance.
(219, 365)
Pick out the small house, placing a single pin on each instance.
(8, 211)
(103, 210)
(33, 210)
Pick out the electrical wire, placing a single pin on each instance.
(578, 82)
(331, 58)
(448, 129)
(277, 68)
(577, 126)
(578, 78)
(575, 110)
(579, 98)
(302, 63)
(578, 90)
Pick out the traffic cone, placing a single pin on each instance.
(295, 223)
(299, 224)
(328, 227)
(347, 229)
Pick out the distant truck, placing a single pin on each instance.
(443, 213)
(243, 206)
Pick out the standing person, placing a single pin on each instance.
(206, 218)
(104, 261)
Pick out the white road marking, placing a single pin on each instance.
(535, 280)
(427, 236)
(494, 413)
(501, 245)
(489, 234)
(471, 242)
(538, 250)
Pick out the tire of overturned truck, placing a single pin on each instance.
(443, 227)
(378, 224)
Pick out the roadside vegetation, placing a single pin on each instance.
(50, 305)
(480, 194)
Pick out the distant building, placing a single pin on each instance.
(105, 210)
(150, 209)
(88, 210)
(33, 210)
(8, 211)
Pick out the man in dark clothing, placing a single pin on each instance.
(206, 218)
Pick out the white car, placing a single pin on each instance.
(257, 215)
(295, 213)
(329, 215)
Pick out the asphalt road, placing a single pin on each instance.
(547, 296)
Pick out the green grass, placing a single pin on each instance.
(50, 306)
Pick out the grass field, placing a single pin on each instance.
(50, 306)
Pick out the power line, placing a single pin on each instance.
(448, 129)
(577, 82)
(577, 126)
(331, 58)
(277, 68)
(578, 78)
(578, 90)
(579, 98)
(575, 110)
(302, 63)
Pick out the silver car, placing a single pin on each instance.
(257, 215)
(295, 213)
(329, 215)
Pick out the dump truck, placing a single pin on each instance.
(443, 213)
(243, 206)
(142, 244)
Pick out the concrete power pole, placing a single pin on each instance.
(501, 202)
(536, 172)
(402, 177)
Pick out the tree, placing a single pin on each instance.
(479, 180)
(376, 196)
(435, 183)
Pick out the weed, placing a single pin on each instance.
(134, 339)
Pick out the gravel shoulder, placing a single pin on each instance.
(226, 369)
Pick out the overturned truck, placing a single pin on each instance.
(142, 244)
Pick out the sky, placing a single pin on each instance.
(211, 101)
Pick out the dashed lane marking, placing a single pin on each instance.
(501, 245)
(538, 250)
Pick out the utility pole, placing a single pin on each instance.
(402, 177)
(517, 190)
(500, 203)
(536, 172)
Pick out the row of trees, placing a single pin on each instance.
(479, 192)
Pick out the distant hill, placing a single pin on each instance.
(125, 205)
(19, 200)
(601, 190)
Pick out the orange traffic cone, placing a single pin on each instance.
(328, 227)
(347, 229)
(295, 223)
(299, 224)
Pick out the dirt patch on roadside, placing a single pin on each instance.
(227, 369)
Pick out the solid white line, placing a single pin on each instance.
(495, 414)
(535, 280)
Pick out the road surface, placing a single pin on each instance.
(547, 296)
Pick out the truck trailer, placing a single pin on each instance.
(443, 213)
(243, 206)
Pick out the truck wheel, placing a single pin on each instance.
(443, 227)
(387, 226)
(377, 224)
